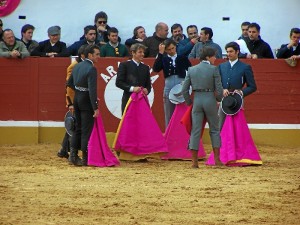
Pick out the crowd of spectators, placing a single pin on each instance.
(107, 39)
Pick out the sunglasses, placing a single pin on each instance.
(1, 24)
(103, 22)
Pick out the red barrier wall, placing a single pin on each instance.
(33, 89)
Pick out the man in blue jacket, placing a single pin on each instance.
(89, 38)
(236, 76)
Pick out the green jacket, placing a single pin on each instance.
(109, 51)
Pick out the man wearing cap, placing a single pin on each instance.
(52, 47)
(84, 81)
(235, 75)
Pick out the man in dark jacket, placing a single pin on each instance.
(133, 75)
(84, 81)
(175, 68)
(292, 49)
(52, 47)
(152, 43)
(90, 33)
(102, 28)
(257, 47)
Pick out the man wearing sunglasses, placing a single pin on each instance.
(101, 28)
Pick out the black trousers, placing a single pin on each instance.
(84, 126)
(65, 145)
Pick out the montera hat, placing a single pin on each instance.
(70, 123)
(175, 95)
(54, 30)
(232, 103)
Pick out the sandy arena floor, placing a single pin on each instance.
(37, 187)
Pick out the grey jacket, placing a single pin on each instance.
(195, 53)
(19, 46)
(202, 76)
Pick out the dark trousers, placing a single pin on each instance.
(84, 127)
(65, 145)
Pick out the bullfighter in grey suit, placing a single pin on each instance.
(206, 82)
(234, 75)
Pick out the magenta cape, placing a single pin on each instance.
(99, 154)
(177, 137)
(238, 148)
(138, 132)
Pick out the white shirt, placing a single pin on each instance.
(137, 63)
(173, 58)
(233, 62)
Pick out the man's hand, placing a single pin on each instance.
(294, 57)
(195, 40)
(161, 48)
(254, 56)
(225, 92)
(15, 54)
(145, 91)
(240, 92)
(96, 113)
(101, 28)
(136, 89)
(292, 43)
(71, 109)
(51, 54)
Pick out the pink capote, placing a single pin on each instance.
(238, 148)
(177, 137)
(99, 154)
(138, 132)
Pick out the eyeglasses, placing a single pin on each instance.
(99, 22)
(1, 24)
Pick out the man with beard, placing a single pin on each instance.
(89, 38)
(258, 47)
(177, 34)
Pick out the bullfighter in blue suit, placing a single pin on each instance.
(236, 76)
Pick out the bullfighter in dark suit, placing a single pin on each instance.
(174, 67)
(84, 81)
(235, 75)
(133, 75)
